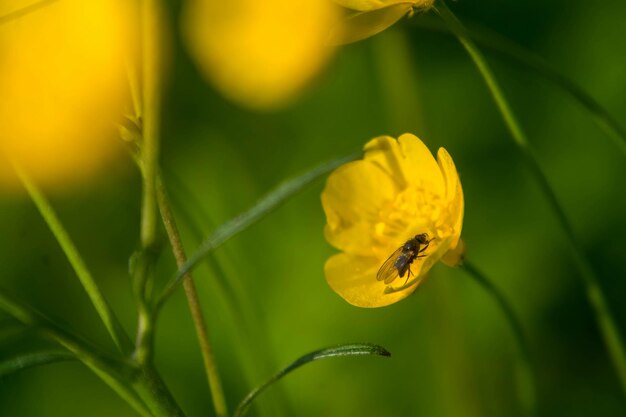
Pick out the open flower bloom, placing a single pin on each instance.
(260, 53)
(62, 87)
(374, 205)
(370, 17)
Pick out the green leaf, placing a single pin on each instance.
(262, 208)
(31, 359)
(354, 349)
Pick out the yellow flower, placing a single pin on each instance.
(260, 53)
(62, 87)
(373, 206)
(370, 17)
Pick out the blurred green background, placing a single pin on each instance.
(453, 353)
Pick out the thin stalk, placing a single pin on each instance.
(151, 101)
(603, 316)
(151, 114)
(528, 386)
(105, 312)
(113, 372)
(247, 325)
(210, 365)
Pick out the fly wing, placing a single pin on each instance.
(389, 271)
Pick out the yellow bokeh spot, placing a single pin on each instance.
(62, 88)
(260, 53)
(373, 206)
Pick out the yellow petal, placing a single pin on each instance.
(354, 279)
(351, 200)
(419, 164)
(454, 193)
(259, 53)
(407, 160)
(363, 25)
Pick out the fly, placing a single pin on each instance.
(399, 263)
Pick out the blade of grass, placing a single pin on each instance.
(105, 312)
(113, 372)
(32, 359)
(527, 382)
(355, 349)
(516, 53)
(603, 316)
(263, 207)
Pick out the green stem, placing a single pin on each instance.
(155, 394)
(113, 372)
(144, 275)
(210, 365)
(109, 319)
(151, 113)
(603, 316)
(527, 383)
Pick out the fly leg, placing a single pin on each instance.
(407, 276)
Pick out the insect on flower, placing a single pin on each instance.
(399, 263)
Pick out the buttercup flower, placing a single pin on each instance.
(370, 17)
(62, 87)
(260, 53)
(397, 192)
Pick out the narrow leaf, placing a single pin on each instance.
(29, 360)
(88, 282)
(237, 224)
(354, 349)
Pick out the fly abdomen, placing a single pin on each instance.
(402, 264)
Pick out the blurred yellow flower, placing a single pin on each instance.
(260, 53)
(397, 192)
(62, 87)
(370, 17)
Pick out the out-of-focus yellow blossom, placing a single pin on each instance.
(374, 205)
(370, 17)
(62, 87)
(260, 53)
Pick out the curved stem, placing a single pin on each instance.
(109, 319)
(528, 388)
(603, 316)
(210, 365)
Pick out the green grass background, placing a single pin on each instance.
(453, 353)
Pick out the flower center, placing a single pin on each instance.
(415, 210)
